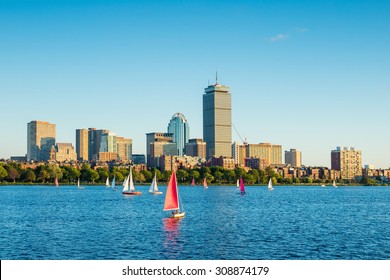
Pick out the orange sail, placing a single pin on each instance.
(172, 196)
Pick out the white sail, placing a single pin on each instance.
(78, 182)
(334, 184)
(113, 184)
(238, 183)
(107, 182)
(126, 184)
(270, 188)
(131, 183)
(153, 186)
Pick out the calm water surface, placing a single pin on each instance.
(42, 222)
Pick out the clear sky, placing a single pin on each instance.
(310, 75)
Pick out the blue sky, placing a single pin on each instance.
(310, 75)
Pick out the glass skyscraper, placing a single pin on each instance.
(217, 121)
(180, 129)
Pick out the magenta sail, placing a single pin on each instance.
(242, 187)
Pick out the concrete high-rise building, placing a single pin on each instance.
(82, 144)
(270, 152)
(217, 120)
(239, 153)
(158, 144)
(180, 129)
(348, 161)
(94, 142)
(293, 157)
(195, 148)
(108, 143)
(124, 148)
(65, 152)
(41, 136)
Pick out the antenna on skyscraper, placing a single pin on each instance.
(216, 77)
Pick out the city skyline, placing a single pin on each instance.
(307, 76)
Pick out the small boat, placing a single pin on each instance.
(78, 184)
(193, 182)
(238, 183)
(323, 186)
(334, 184)
(270, 187)
(205, 183)
(153, 187)
(56, 182)
(242, 186)
(172, 199)
(113, 186)
(107, 183)
(128, 188)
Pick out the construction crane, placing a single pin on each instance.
(242, 140)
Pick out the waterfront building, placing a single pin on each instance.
(217, 121)
(224, 162)
(41, 136)
(124, 148)
(108, 156)
(256, 163)
(180, 130)
(82, 144)
(348, 161)
(270, 152)
(108, 143)
(94, 142)
(293, 157)
(65, 152)
(196, 148)
(158, 144)
(138, 159)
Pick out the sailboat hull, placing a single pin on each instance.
(156, 192)
(132, 193)
(177, 215)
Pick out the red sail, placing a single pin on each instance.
(171, 197)
(242, 188)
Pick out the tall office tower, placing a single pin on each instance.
(82, 144)
(195, 148)
(41, 136)
(108, 143)
(217, 120)
(124, 148)
(180, 129)
(272, 153)
(348, 161)
(94, 141)
(158, 144)
(293, 157)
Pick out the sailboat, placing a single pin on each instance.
(113, 186)
(56, 182)
(128, 188)
(172, 198)
(270, 187)
(193, 182)
(107, 183)
(238, 183)
(334, 184)
(205, 183)
(242, 187)
(153, 187)
(78, 184)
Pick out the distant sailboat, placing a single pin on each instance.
(129, 188)
(242, 187)
(334, 184)
(270, 187)
(238, 183)
(193, 182)
(172, 198)
(107, 183)
(113, 186)
(205, 183)
(153, 187)
(56, 182)
(78, 184)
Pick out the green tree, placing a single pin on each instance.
(229, 176)
(42, 173)
(13, 174)
(93, 175)
(3, 173)
(181, 175)
(55, 172)
(297, 181)
(218, 176)
(194, 174)
(103, 173)
(147, 175)
(209, 178)
(28, 175)
(118, 176)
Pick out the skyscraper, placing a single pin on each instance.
(158, 144)
(180, 129)
(94, 142)
(348, 161)
(293, 157)
(217, 120)
(82, 144)
(41, 136)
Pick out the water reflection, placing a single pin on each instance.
(172, 243)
